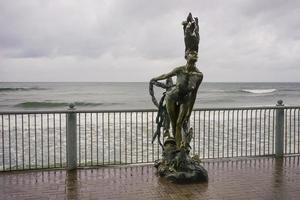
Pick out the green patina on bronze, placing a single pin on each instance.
(175, 108)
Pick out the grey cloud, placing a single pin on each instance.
(134, 35)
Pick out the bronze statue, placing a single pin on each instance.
(181, 98)
(175, 107)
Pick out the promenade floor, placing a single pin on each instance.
(247, 178)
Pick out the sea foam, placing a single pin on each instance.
(259, 91)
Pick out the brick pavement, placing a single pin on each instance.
(251, 178)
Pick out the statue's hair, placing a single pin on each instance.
(191, 34)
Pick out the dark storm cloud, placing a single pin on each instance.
(132, 40)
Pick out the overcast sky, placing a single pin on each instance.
(135, 40)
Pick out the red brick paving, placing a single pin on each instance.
(255, 178)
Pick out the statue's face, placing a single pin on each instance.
(192, 57)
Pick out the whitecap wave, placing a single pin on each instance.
(259, 91)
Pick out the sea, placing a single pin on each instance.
(18, 96)
(39, 140)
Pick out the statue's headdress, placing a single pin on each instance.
(191, 34)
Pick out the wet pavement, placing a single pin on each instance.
(249, 178)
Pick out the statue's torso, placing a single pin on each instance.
(186, 83)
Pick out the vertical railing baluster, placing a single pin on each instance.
(232, 126)
(147, 119)
(269, 130)
(286, 132)
(114, 138)
(264, 153)
(237, 133)
(23, 157)
(35, 145)
(152, 131)
(242, 132)
(66, 135)
(108, 141)
(194, 131)
(126, 137)
(260, 130)
(3, 152)
(294, 131)
(136, 137)
(79, 138)
(142, 132)
(48, 145)
(103, 143)
(97, 140)
(29, 154)
(228, 132)
(251, 133)
(85, 141)
(246, 133)
(208, 139)
(218, 133)
(158, 147)
(204, 134)
(120, 137)
(223, 129)
(290, 130)
(60, 142)
(54, 144)
(199, 132)
(91, 121)
(131, 161)
(298, 130)
(16, 136)
(273, 139)
(9, 142)
(255, 133)
(213, 134)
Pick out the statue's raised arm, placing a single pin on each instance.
(165, 76)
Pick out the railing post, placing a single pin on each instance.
(71, 139)
(279, 134)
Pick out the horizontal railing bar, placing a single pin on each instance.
(142, 110)
(35, 112)
(246, 108)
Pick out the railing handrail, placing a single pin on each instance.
(141, 110)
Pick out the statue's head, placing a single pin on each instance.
(192, 57)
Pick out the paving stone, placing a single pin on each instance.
(247, 178)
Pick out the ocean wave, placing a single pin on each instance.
(213, 91)
(259, 91)
(36, 104)
(11, 89)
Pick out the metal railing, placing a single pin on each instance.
(71, 138)
(32, 140)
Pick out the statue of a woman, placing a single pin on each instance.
(181, 98)
(176, 106)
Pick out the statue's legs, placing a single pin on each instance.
(183, 110)
(172, 110)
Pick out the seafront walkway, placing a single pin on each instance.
(247, 178)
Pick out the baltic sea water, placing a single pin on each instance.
(129, 142)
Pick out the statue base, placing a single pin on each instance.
(177, 165)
